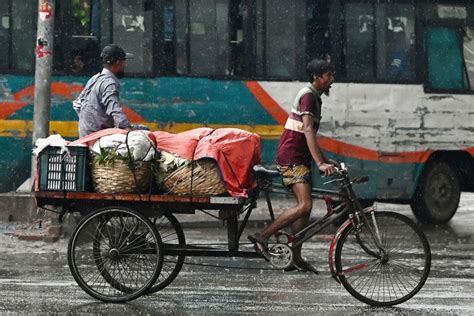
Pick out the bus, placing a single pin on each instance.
(401, 109)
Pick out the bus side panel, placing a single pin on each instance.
(15, 161)
(387, 181)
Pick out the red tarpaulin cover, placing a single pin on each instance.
(236, 151)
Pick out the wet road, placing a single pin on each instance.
(35, 278)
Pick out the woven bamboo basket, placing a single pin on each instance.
(118, 178)
(205, 179)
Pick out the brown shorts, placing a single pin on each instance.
(295, 174)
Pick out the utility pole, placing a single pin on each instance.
(43, 71)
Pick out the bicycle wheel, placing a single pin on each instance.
(171, 236)
(115, 254)
(388, 277)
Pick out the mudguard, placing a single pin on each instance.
(334, 241)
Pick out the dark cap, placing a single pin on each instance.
(317, 67)
(113, 53)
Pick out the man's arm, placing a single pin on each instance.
(111, 102)
(316, 153)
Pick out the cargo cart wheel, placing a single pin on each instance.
(437, 194)
(172, 236)
(115, 254)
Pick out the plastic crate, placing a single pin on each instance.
(64, 172)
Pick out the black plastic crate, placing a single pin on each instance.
(64, 172)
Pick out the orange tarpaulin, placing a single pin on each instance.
(236, 152)
(182, 144)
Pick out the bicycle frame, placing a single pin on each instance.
(349, 206)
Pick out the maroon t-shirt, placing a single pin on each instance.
(293, 148)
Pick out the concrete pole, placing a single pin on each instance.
(43, 70)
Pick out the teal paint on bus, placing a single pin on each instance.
(166, 100)
(194, 100)
(13, 83)
(388, 181)
(15, 160)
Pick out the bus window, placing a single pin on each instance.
(181, 40)
(4, 35)
(446, 67)
(133, 30)
(380, 42)
(468, 49)
(168, 56)
(203, 44)
(242, 38)
(395, 42)
(360, 38)
(76, 41)
(449, 46)
(284, 38)
(237, 59)
(317, 30)
(23, 32)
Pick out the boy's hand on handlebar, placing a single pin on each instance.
(327, 169)
(334, 163)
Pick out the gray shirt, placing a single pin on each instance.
(98, 105)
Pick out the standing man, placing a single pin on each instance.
(297, 148)
(98, 106)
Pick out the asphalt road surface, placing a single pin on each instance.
(35, 279)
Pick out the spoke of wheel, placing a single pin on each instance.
(368, 263)
(365, 273)
(382, 268)
(141, 268)
(135, 272)
(405, 275)
(128, 275)
(394, 283)
(117, 226)
(100, 230)
(168, 241)
(403, 278)
(137, 237)
(141, 246)
(373, 281)
(403, 248)
(400, 282)
(144, 262)
(377, 282)
(361, 278)
(163, 237)
(94, 277)
(129, 234)
(413, 250)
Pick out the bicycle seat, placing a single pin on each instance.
(261, 170)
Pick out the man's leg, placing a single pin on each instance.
(305, 198)
(298, 214)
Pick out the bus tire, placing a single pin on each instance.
(437, 194)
